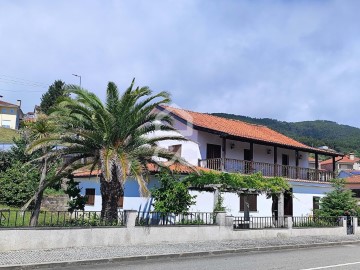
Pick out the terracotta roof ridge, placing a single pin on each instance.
(210, 114)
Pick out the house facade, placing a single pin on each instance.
(232, 146)
(10, 114)
(347, 162)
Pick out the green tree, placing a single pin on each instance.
(172, 196)
(338, 202)
(48, 99)
(76, 200)
(117, 137)
(18, 183)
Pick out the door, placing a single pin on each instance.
(285, 163)
(213, 156)
(288, 203)
(247, 161)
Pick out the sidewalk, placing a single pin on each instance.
(30, 259)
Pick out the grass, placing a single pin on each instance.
(7, 135)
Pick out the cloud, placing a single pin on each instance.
(289, 60)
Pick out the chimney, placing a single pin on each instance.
(351, 156)
(18, 102)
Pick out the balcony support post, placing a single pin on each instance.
(251, 157)
(334, 166)
(297, 164)
(223, 154)
(316, 166)
(275, 161)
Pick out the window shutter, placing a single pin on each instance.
(90, 196)
(252, 200)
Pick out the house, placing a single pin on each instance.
(353, 183)
(10, 114)
(234, 146)
(347, 162)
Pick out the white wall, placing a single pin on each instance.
(303, 193)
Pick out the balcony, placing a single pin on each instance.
(267, 169)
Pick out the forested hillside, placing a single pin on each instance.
(342, 138)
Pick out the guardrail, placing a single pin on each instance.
(170, 219)
(259, 222)
(314, 221)
(15, 219)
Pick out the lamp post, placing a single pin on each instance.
(77, 76)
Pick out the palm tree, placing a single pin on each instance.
(43, 128)
(117, 137)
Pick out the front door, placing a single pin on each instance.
(288, 203)
(285, 163)
(213, 156)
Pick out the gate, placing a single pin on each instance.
(349, 225)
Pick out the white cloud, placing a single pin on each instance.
(290, 60)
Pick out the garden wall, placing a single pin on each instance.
(42, 238)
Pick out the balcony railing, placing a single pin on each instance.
(267, 169)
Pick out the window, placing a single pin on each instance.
(316, 203)
(3, 110)
(11, 110)
(5, 123)
(252, 200)
(90, 196)
(175, 149)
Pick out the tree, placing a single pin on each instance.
(48, 100)
(172, 196)
(117, 137)
(76, 200)
(41, 129)
(338, 202)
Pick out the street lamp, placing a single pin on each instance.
(77, 76)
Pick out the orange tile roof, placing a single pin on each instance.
(238, 128)
(355, 179)
(311, 159)
(7, 104)
(345, 159)
(178, 168)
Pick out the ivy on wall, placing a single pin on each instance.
(235, 182)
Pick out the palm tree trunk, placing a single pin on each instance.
(111, 191)
(39, 196)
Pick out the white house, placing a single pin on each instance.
(237, 147)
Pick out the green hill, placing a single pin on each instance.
(7, 135)
(317, 133)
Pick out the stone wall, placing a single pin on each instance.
(55, 203)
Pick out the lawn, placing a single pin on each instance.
(7, 135)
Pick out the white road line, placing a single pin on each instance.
(331, 266)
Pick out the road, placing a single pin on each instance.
(337, 257)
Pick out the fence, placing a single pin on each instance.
(15, 219)
(168, 219)
(314, 221)
(259, 222)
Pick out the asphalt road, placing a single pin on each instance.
(336, 257)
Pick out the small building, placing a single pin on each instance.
(10, 114)
(347, 162)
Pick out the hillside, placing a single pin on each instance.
(342, 138)
(7, 135)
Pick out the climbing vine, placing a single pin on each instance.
(235, 182)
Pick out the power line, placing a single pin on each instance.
(17, 91)
(25, 82)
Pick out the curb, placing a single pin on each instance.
(173, 255)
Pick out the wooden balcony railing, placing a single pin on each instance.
(267, 169)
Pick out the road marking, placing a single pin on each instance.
(331, 266)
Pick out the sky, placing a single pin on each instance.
(288, 60)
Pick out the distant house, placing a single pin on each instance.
(353, 183)
(312, 163)
(347, 162)
(10, 114)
